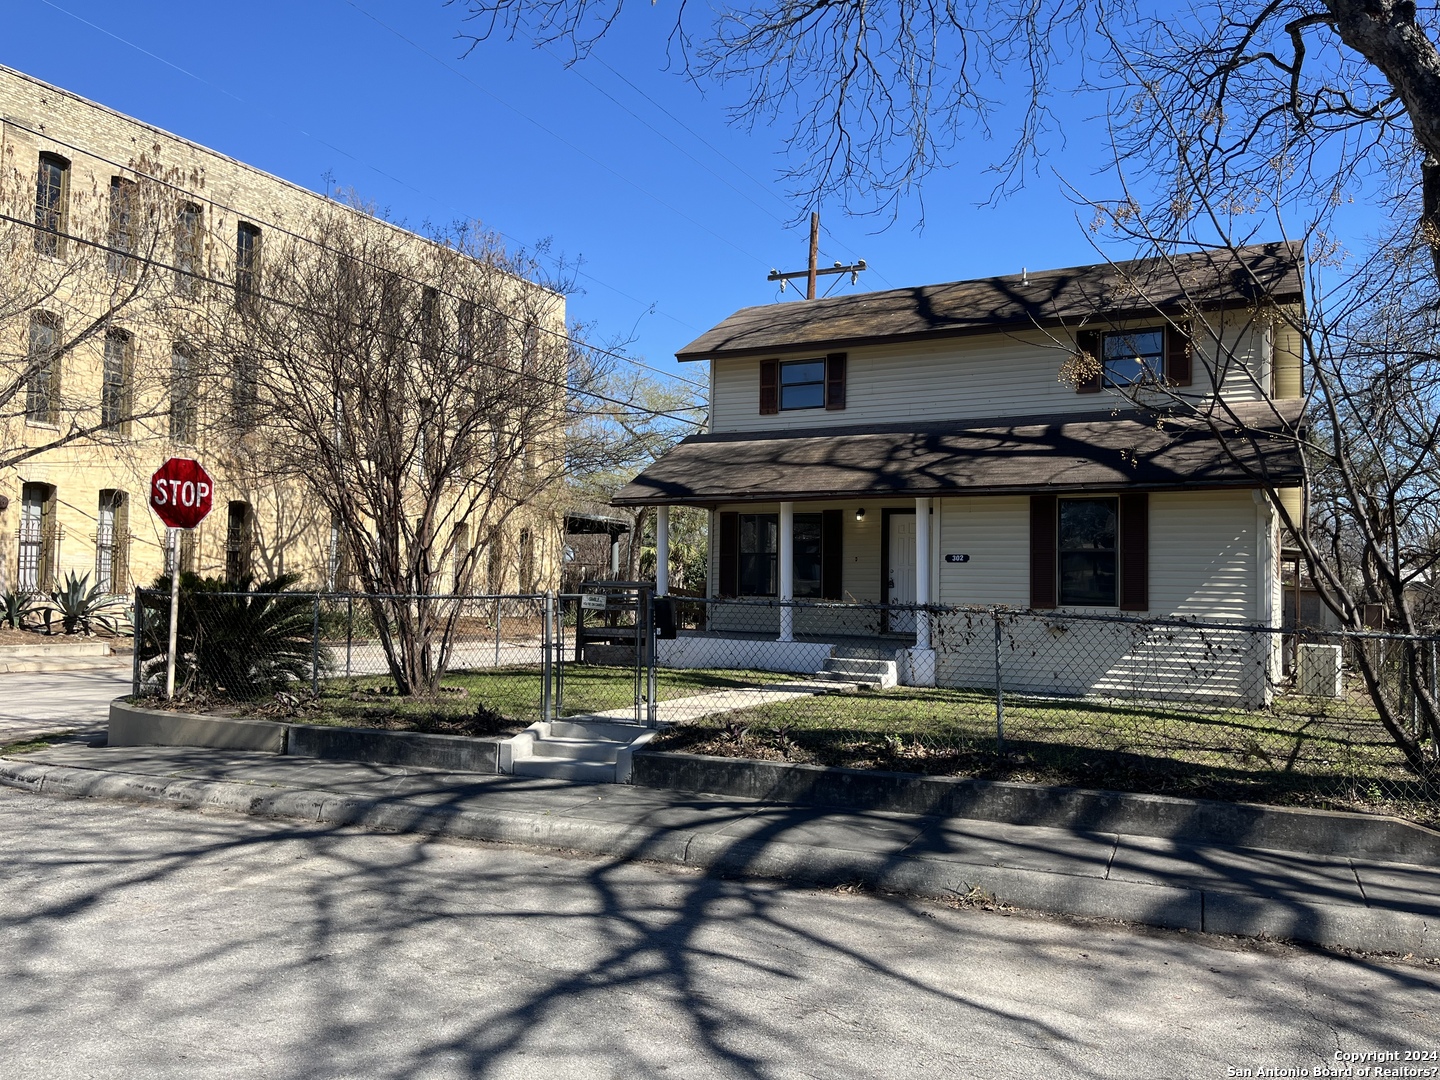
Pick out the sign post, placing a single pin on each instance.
(181, 493)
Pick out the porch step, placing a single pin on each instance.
(881, 674)
(593, 751)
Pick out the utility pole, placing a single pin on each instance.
(813, 272)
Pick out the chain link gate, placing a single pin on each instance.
(613, 626)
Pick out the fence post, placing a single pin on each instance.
(349, 631)
(497, 631)
(315, 650)
(138, 619)
(999, 687)
(652, 707)
(559, 656)
(546, 700)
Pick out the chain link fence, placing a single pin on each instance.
(1171, 706)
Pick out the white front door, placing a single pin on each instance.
(901, 586)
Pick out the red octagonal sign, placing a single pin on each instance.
(180, 492)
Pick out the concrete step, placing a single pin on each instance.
(594, 751)
(865, 670)
(842, 681)
(598, 750)
(588, 772)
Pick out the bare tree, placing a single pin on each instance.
(415, 389)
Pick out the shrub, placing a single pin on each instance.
(17, 606)
(242, 639)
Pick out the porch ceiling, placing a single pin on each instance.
(1095, 452)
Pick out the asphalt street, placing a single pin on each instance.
(147, 942)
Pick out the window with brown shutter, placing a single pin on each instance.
(1135, 552)
(1043, 526)
(831, 546)
(729, 583)
(1179, 351)
(769, 387)
(835, 381)
(1088, 342)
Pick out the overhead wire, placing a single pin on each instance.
(277, 227)
(337, 149)
(562, 385)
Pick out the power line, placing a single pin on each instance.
(284, 231)
(339, 150)
(146, 260)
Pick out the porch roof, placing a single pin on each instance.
(1135, 449)
(1075, 295)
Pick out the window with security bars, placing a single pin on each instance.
(239, 542)
(37, 538)
(52, 192)
(115, 379)
(42, 370)
(112, 542)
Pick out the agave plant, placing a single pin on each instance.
(17, 606)
(83, 607)
(240, 639)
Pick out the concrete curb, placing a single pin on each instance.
(1195, 821)
(1364, 929)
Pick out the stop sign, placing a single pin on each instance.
(180, 493)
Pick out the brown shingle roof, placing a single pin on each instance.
(1095, 452)
(1073, 295)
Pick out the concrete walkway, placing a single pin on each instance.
(699, 706)
(1352, 903)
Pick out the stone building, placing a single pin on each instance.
(124, 246)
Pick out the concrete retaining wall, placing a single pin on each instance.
(132, 726)
(1194, 821)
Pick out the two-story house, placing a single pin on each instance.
(1093, 439)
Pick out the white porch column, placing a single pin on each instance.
(922, 572)
(662, 551)
(787, 570)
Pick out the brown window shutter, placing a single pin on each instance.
(835, 381)
(1179, 351)
(769, 386)
(1135, 552)
(1044, 510)
(1088, 341)
(832, 554)
(729, 584)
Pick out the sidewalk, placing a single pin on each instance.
(1358, 904)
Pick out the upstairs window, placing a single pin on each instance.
(184, 377)
(1134, 357)
(42, 370)
(52, 194)
(189, 249)
(115, 379)
(247, 263)
(802, 384)
(122, 233)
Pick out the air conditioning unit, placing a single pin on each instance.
(1318, 671)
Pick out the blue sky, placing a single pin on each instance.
(678, 217)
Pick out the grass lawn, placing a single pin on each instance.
(491, 701)
(1302, 751)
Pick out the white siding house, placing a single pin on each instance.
(1105, 439)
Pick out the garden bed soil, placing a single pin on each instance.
(363, 710)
